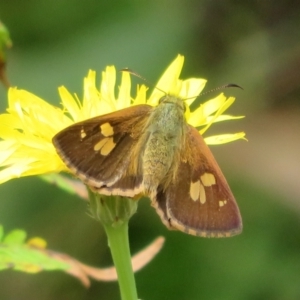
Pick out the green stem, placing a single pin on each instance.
(119, 247)
(114, 213)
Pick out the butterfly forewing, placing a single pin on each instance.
(98, 150)
(199, 201)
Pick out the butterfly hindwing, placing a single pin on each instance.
(199, 201)
(98, 150)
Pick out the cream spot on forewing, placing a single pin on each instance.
(202, 194)
(100, 144)
(82, 134)
(108, 147)
(106, 129)
(195, 190)
(208, 179)
(222, 203)
(105, 146)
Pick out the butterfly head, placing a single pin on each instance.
(172, 100)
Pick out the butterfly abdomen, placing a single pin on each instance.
(165, 135)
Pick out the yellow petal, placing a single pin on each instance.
(222, 108)
(191, 88)
(141, 95)
(90, 93)
(107, 89)
(6, 149)
(124, 93)
(12, 172)
(199, 116)
(70, 104)
(221, 118)
(169, 82)
(225, 138)
(93, 104)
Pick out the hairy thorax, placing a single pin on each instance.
(164, 139)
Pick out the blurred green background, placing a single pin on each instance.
(255, 44)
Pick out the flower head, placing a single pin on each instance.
(30, 123)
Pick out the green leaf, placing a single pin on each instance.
(30, 257)
(5, 41)
(15, 237)
(33, 257)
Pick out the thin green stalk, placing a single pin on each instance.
(119, 247)
(114, 213)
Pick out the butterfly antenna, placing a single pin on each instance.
(225, 86)
(141, 77)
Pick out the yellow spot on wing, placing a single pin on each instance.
(82, 133)
(222, 202)
(195, 190)
(106, 129)
(105, 146)
(202, 194)
(208, 179)
(100, 144)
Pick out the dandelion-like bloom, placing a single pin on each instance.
(30, 123)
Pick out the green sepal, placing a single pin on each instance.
(111, 210)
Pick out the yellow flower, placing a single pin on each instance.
(27, 128)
